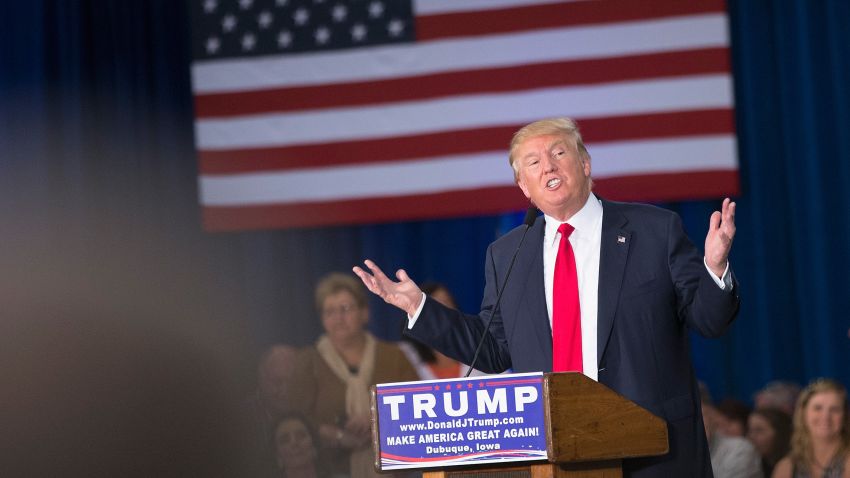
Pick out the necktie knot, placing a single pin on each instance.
(566, 229)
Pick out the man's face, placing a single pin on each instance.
(553, 175)
(277, 379)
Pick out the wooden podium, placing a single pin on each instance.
(590, 429)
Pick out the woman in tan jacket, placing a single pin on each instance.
(334, 376)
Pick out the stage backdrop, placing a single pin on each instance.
(325, 113)
(98, 165)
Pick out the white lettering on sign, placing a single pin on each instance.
(456, 403)
(461, 410)
(394, 401)
(424, 402)
(498, 402)
(524, 396)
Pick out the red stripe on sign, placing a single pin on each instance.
(595, 130)
(493, 80)
(667, 187)
(534, 17)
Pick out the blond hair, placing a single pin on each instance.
(338, 282)
(565, 127)
(802, 453)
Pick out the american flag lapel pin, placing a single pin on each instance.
(621, 239)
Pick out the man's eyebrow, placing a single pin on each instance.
(556, 144)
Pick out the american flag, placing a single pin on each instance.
(321, 112)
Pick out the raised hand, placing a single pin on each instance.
(404, 294)
(718, 241)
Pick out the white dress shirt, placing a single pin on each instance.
(585, 240)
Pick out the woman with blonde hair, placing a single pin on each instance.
(333, 376)
(820, 443)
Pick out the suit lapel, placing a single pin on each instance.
(613, 252)
(534, 291)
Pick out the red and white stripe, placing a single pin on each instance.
(421, 130)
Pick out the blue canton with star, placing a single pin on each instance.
(241, 28)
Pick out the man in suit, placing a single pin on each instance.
(615, 291)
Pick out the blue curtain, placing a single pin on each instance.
(99, 192)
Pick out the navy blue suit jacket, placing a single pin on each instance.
(653, 287)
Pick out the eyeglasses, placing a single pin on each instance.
(344, 309)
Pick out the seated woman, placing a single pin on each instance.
(769, 429)
(820, 443)
(333, 377)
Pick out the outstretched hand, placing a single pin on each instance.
(718, 241)
(404, 294)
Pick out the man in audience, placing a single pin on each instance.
(731, 457)
(732, 417)
(274, 379)
(779, 394)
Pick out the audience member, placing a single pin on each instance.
(780, 394)
(769, 430)
(334, 376)
(731, 457)
(820, 443)
(732, 417)
(429, 363)
(273, 396)
(296, 448)
(275, 376)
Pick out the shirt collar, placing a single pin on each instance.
(582, 221)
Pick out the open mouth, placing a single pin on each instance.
(553, 183)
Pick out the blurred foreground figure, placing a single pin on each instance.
(107, 392)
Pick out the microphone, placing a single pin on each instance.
(530, 217)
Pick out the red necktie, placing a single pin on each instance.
(566, 312)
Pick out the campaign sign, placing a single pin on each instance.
(464, 421)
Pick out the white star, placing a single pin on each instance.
(301, 16)
(284, 39)
(358, 32)
(395, 27)
(228, 23)
(322, 35)
(209, 6)
(339, 12)
(248, 41)
(264, 19)
(245, 4)
(213, 44)
(376, 9)
(281, 3)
